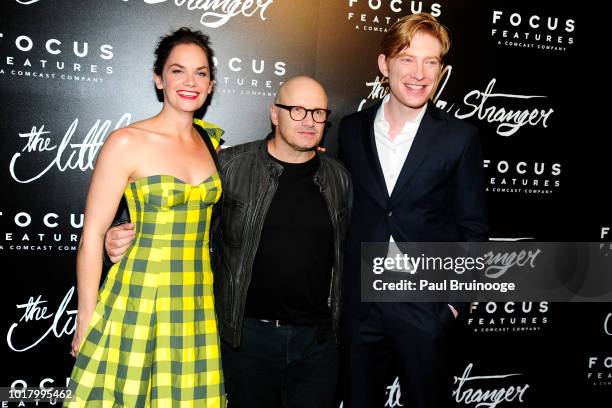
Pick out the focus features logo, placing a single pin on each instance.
(46, 383)
(522, 177)
(55, 58)
(378, 15)
(492, 317)
(606, 246)
(249, 76)
(547, 33)
(40, 234)
(599, 370)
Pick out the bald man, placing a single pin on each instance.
(277, 244)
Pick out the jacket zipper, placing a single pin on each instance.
(265, 199)
(334, 220)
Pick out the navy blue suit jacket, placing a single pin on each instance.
(438, 196)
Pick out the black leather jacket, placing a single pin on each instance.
(250, 179)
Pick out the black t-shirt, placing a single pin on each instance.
(293, 264)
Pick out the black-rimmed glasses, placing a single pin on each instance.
(298, 113)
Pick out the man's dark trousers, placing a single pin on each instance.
(281, 366)
(438, 197)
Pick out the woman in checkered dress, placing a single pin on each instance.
(149, 337)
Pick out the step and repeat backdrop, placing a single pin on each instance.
(526, 73)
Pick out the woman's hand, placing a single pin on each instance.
(79, 334)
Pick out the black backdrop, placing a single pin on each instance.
(71, 72)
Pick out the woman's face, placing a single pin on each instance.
(185, 79)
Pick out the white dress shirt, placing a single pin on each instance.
(392, 153)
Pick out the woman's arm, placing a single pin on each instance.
(111, 174)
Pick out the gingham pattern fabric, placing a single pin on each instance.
(213, 131)
(152, 340)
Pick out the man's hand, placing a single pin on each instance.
(117, 241)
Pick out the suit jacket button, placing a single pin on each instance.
(390, 213)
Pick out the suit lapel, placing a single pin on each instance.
(376, 186)
(425, 138)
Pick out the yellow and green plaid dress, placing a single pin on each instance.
(152, 340)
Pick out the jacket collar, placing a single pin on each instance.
(424, 139)
(274, 168)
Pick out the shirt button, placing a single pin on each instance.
(394, 150)
(390, 213)
(391, 176)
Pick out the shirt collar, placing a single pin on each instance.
(381, 121)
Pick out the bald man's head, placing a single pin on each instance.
(296, 95)
(299, 82)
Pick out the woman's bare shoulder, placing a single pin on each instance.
(128, 137)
